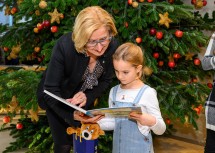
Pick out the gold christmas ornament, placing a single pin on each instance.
(189, 56)
(55, 16)
(147, 71)
(9, 58)
(170, 57)
(43, 4)
(13, 56)
(4, 110)
(37, 12)
(7, 10)
(164, 19)
(34, 115)
(14, 53)
(198, 4)
(19, 2)
(135, 4)
(14, 105)
(16, 49)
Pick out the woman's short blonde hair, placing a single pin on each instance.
(87, 21)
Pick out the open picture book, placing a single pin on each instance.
(110, 112)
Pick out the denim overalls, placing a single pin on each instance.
(127, 138)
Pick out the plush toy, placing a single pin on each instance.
(87, 131)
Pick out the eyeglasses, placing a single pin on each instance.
(104, 41)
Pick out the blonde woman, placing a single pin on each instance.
(80, 70)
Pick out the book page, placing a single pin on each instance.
(116, 112)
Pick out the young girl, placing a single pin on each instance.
(132, 135)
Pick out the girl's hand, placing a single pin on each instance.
(143, 119)
(86, 119)
(78, 99)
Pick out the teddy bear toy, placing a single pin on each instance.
(88, 131)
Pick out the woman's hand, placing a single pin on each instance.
(143, 119)
(78, 99)
(79, 116)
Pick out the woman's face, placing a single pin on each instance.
(98, 42)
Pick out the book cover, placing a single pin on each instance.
(68, 103)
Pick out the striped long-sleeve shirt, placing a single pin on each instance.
(208, 62)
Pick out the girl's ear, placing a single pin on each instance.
(139, 68)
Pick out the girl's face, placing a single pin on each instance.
(98, 42)
(126, 73)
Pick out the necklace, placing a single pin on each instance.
(123, 97)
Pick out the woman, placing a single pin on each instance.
(80, 70)
(208, 63)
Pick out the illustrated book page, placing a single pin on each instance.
(115, 112)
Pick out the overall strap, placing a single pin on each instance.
(140, 93)
(114, 92)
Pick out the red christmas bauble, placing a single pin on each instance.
(193, 2)
(19, 126)
(6, 119)
(176, 56)
(171, 64)
(178, 33)
(160, 63)
(152, 31)
(168, 121)
(204, 2)
(54, 29)
(46, 23)
(198, 111)
(171, 1)
(6, 49)
(138, 40)
(39, 26)
(159, 35)
(194, 80)
(13, 10)
(130, 2)
(156, 55)
(210, 85)
(196, 61)
(126, 24)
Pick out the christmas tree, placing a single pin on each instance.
(169, 32)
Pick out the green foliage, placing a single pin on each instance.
(20, 83)
(105, 142)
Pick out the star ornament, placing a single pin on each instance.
(189, 56)
(7, 10)
(170, 57)
(164, 19)
(55, 16)
(34, 115)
